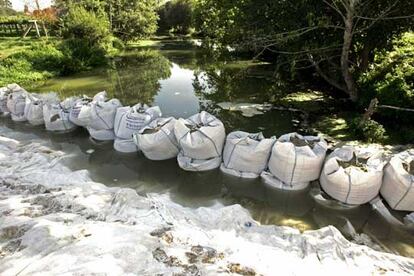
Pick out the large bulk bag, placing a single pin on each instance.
(33, 110)
(129, 120)
(80, 114)
(157, 140)
(201, 140)
(4, 92)
(296, 160)
(353, 175)
(16, 101)
(246, 154)
(398, 184)
(103, 114)
(102, 134)
(56, 116)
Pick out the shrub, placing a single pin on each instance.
(391, 79)
(87, 39)
(369, 130)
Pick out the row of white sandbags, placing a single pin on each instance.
(357, 175)
(36, 109)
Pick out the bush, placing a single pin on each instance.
(39, 62)
(369, 130)
(88, 40)
(391, 79)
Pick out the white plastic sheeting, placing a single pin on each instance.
(4, 92)
(80, 114)
(16, 101)
(246, 154)
(129, 120)
(353, 175)
(201, 140)
(157, 140)
(398, 184)
(102, 116)
(296, 160)
(56, 116)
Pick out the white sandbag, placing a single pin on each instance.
(56, 116)
(297, 159)
(101, 135)
(129, 120)
(33, 110)
(4, 92)
(125, 145)
(157, 140)
(270, 180)
(353, 175)
(201, 140)
(246, 154)
(81, 114)
(103, 114)
(398, 184)
(16, 101)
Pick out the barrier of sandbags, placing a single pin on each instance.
(56, 116)
(102, 117)
(157, 140)
(353, 175)
(398, 183)
(4, 92)
(246, 154)
(80, 114)
(16, 101)
(129, 120)
(201, 140)
(295, 161)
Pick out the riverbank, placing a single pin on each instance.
(54, 220)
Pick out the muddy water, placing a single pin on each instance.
(183, 81)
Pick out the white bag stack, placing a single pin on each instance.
(56, 116)
(80, 114)
(201, 140)
(398, 183)
(246, 154)
(4, 92)
(129, 120)
(353, 175)
(157, 140)
(102, 116)
(295, 161)
(16, 101)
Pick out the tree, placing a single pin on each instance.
(336, 38)
(176, 16)
(6, 8)
(129, 19)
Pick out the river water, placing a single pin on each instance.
(183, 80)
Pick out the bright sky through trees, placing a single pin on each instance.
(18, 5)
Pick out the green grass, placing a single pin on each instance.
(13, 45)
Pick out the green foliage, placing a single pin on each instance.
(297, 34)
(391, 79)
(176, 16)
(127, 19)
(18, 19)
(87, 39)
(369, 130)
(41, 61)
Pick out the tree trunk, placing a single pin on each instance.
(364, 58)
(346, 48)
